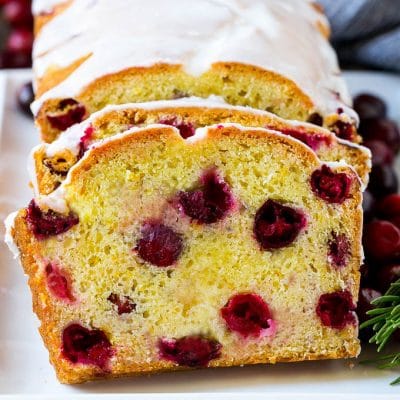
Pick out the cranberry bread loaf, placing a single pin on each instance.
(234, 246)
(51, 162)
(128, 52)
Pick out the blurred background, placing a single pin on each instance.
(366, 33)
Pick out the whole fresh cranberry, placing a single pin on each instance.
(365, 297)
(46, 224)
(381, 129)
(381, 153)
(190, 351)
(387, 275)
(369, 106)
(336, 310)
(248, 315)
(81, 345)
(382, 240)
(159, 244)
(277, 225)
(333, 187)
(18, 13)
(368, 206)
(382, 181)
(68, 113)
(210, 203)
(388, 208)
(20, 40)
(25, 97)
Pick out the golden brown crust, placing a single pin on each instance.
(44, 306)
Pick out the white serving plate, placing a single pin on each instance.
(25, 372)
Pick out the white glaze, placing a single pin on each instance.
(44, 6)
(8, 239)
(276, 35)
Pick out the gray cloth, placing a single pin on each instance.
(366, 32)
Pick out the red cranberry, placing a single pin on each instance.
(383, 181)
(343, 130)
(190, 351)
(365, 297)
(25, 98)
(85, 141)
(381, 153)
(18, 12)
(69, 112)
(387, 275)
(124, 304)
(368, 206)
(13, 59)
(210, 203)
(86, 346)
(336, 309)
(159, 244)
(45, 224)
(389, 209)
(315, 119)
(382, 240)
(20, 40)
(312, 140)
(333, 187)
(186, 129)
(381, 129)
(248, 315)
(58, 283)
(338, 250)
(369, 106)
(276, 225)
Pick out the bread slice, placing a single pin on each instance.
(52, 162)
(266, 54)
(235, 246)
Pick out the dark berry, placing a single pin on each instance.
(124, 304)
(248, 315)
(336, 310)
(85, 141)
(366, 275)
(381, 129)
(333, 187)
(315, 119)
(369, 106)
(312, 140)
(45, 224)
(277, 225)
(389, 209)
(186, 129)
(58, 283)
(210, 203)
(159, 244)
(387, 275)
(368, 205)
(338, 250)
(15, 59)
(20, 40)
(18, 13)
(383, 181)
(365, 297)
(381, 240)
(190, 351)
(381, 153)
(344, 130)
(69, 112)
(86, 346)
(25, 97)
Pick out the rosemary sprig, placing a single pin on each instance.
(385, 320)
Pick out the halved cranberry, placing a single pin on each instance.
(186, 129)
(344, 130)
(338, 250)
(159, 244)
(86, 346)
(124, 304)
(336, 309)
(369, 106)
(381, 240)
(45, 224)
(249, 315)
(277, 225)
(190, 351)
(69, 112)
(85, 141)
(333, 187)
(58, 283)
(312, 140)
(211, 202)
